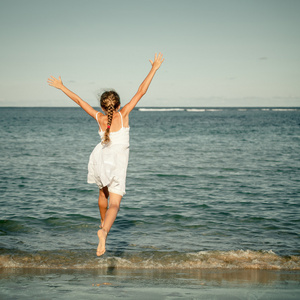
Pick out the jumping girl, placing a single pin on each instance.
(108, 162)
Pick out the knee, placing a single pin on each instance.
(115, 206)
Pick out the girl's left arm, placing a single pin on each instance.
(158, 60)
(57, 83)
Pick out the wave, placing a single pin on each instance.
(203, 109)
(215, 109)
(86, 259)
(284, 109)
(195, 109)
(161, 109)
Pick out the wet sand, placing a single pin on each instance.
(148, 284)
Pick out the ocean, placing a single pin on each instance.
(208, 190)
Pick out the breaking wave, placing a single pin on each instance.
(86, 259)
(199, 109)
(161, 109)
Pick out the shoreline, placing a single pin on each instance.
(229, 275)
(149, 284)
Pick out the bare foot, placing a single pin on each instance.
(102, 239)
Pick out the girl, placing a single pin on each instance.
(108, 162)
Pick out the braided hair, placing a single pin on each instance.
(109, 102)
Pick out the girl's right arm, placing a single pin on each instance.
(57, 83)
(158, 60)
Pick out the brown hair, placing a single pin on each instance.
(109, 102)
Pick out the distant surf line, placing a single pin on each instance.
(241, 109)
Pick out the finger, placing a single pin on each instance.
(155, 57)
(151, 61)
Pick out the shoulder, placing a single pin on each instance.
(99, 115)
(125, 116)
(124, 112)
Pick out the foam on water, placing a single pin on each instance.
(86, 259)
(195, 110)
(161, 109)
(200, 109)
(284, 109)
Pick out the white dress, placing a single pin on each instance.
(108, 162)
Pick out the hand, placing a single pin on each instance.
(57, 83)
(158, 60)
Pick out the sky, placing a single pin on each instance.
(217, 52)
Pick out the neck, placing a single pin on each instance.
(114, 112)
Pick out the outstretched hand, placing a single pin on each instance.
(57, 83)
(158, 60)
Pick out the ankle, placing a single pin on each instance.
(104, 231)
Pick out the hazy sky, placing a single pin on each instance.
(217, 52)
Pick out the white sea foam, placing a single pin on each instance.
(164, 109)
(284, 109)
(235, 259)
(195, 109)
(203, 109)
(160, 109)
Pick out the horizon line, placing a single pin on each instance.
(158, 107)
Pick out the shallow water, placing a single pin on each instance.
(205, 189)
(149, 284)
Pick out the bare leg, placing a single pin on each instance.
(111, 214)
(103, 203)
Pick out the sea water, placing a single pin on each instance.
(206, 189)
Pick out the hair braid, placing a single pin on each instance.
(110, 113)
(109, 101)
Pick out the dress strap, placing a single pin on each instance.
(98, 121)
(121, 118)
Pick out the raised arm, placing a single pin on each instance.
(57, 83)
(158, 60)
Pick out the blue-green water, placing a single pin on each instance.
(205, 189)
